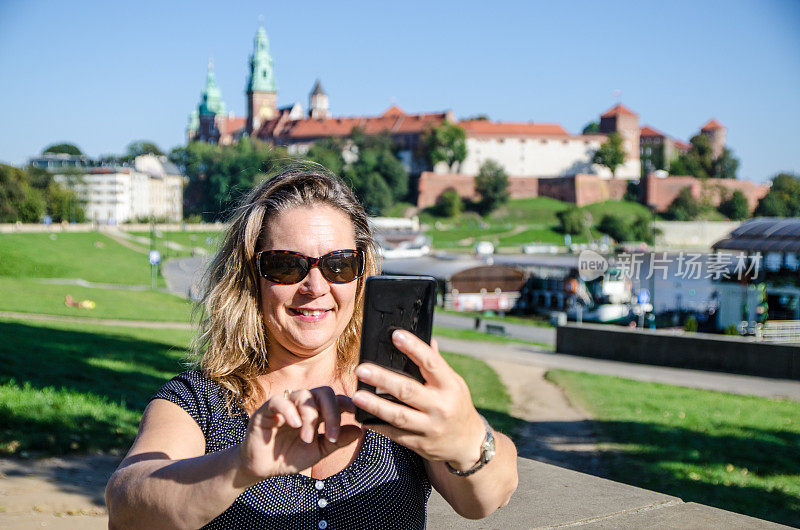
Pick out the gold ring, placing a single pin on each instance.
(286, 393)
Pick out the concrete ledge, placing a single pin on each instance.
(701, 351)
(549, 496)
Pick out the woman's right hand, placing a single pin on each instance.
(282, 436)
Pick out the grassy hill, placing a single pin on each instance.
(521, 221)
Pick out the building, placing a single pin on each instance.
(112, 194)
(530, 152)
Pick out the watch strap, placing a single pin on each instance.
(487, 452)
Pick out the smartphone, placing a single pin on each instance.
(390, 303)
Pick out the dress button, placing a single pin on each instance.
(322, 503)
(319, 485)
(323, 525)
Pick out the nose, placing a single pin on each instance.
(314, 284)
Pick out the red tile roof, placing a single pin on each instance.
(509, 128)
(648, 131)
(393, 120)
(712, 125)
(618, 110)
(683, 146)
(232, 125)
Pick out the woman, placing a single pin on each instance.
(262, 434)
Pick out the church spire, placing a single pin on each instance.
(211, 101)
(262, 96)
(262, 77)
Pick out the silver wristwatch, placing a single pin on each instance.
(487, 452)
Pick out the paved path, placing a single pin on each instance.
(722, 382)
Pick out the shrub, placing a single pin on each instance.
(690, 325)
(572, 220)
(449, 204)
(615, 227)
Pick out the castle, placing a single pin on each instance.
(539, 157)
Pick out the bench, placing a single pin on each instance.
(496, 329)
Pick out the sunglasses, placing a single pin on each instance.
(287, 267)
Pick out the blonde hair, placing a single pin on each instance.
(231, 347)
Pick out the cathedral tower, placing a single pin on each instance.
(262, 96)
(211, 106)
(318, 105)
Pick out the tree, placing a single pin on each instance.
(685, 207)
(18, 200)
(699, 161)
(140, 147)
(219, 174)
(446, 143)
(735, 207)
(492, 185)
(449, 204)
(376, 161)
(642, 230)
(328, 153)
(783, 198)
(726, 165)
(67, 149)
(611, 153)
(572, 220)
(593, 127)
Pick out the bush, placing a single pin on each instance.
(690, 325)
(449, 204)
(615, 227)
(735, 207)
(572, 220)
(732, 330)
(685, 207)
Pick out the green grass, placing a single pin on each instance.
(521, 221)
(739, 453)
(533, 210)
(488, 393)
(92, 256)
(472, 335)
(532, 320)
(33, 296)
(67, 388)
(188, 240)
(626, 209)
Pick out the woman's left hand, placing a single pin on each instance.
(438, 420)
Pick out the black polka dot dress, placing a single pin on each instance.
(386, 486)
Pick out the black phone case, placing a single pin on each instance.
(390, 303)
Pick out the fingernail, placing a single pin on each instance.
(399, 335)
(362, 372)
(295, 422)
(360, 398)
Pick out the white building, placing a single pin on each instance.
(530, 149)
(153, 187)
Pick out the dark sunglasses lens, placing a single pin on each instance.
(342, 267)
(283, 268)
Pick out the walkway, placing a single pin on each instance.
(721, 382)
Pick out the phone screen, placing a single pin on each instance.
(390, 303)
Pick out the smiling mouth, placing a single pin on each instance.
(308, 312)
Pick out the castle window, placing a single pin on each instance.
(544, 142)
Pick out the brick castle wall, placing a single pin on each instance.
(660, 192)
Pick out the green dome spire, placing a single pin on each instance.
(194, 121)
(262, 77)
(211, 102)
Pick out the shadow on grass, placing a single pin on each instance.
(76, 391)
(685, 463)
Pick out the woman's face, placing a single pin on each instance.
(308, 317)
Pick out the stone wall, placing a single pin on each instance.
(660, 192)
(580, 189)
(699, 351)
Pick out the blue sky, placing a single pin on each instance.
(101, 74)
